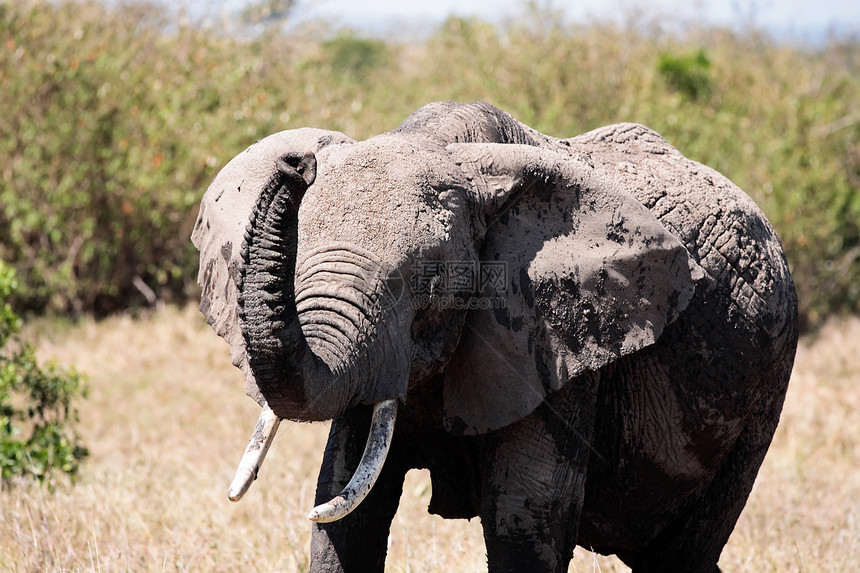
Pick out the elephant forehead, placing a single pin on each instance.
(380, 157)
(379, 197)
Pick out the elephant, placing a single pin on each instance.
(586, 341)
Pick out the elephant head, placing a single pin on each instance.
(462, 243)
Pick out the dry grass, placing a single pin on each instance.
(166, 421)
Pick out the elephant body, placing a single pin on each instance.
(616, 386)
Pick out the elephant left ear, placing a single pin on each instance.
(575, 273)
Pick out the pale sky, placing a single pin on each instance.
(809, 20)
(791, 16)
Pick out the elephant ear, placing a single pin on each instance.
(218, 233)
(575, 273)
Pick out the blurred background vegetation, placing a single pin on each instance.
(115, 120)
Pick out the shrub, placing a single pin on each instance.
(115, 121)
(108, 139)
(36, 405)
(688, 73)
(354, 56)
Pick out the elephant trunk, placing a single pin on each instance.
(295, 382)
(331, 340)
(316, 366)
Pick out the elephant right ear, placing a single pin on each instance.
(575, 273)
(224, 214)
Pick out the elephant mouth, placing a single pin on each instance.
(363, 479)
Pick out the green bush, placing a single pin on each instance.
(112, 129)
(353, 56)
(115, 121)
(688, 73)
(36, 405)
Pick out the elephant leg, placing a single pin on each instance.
(695, 541)
(359, 541)
(534, 481)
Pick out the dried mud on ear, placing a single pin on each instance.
(720, 226)
(592, 276)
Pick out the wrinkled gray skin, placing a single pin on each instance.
(617, 388)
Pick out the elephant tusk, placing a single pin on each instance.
(375, 451)
(255, 453)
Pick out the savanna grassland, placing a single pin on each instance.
(166, 421)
